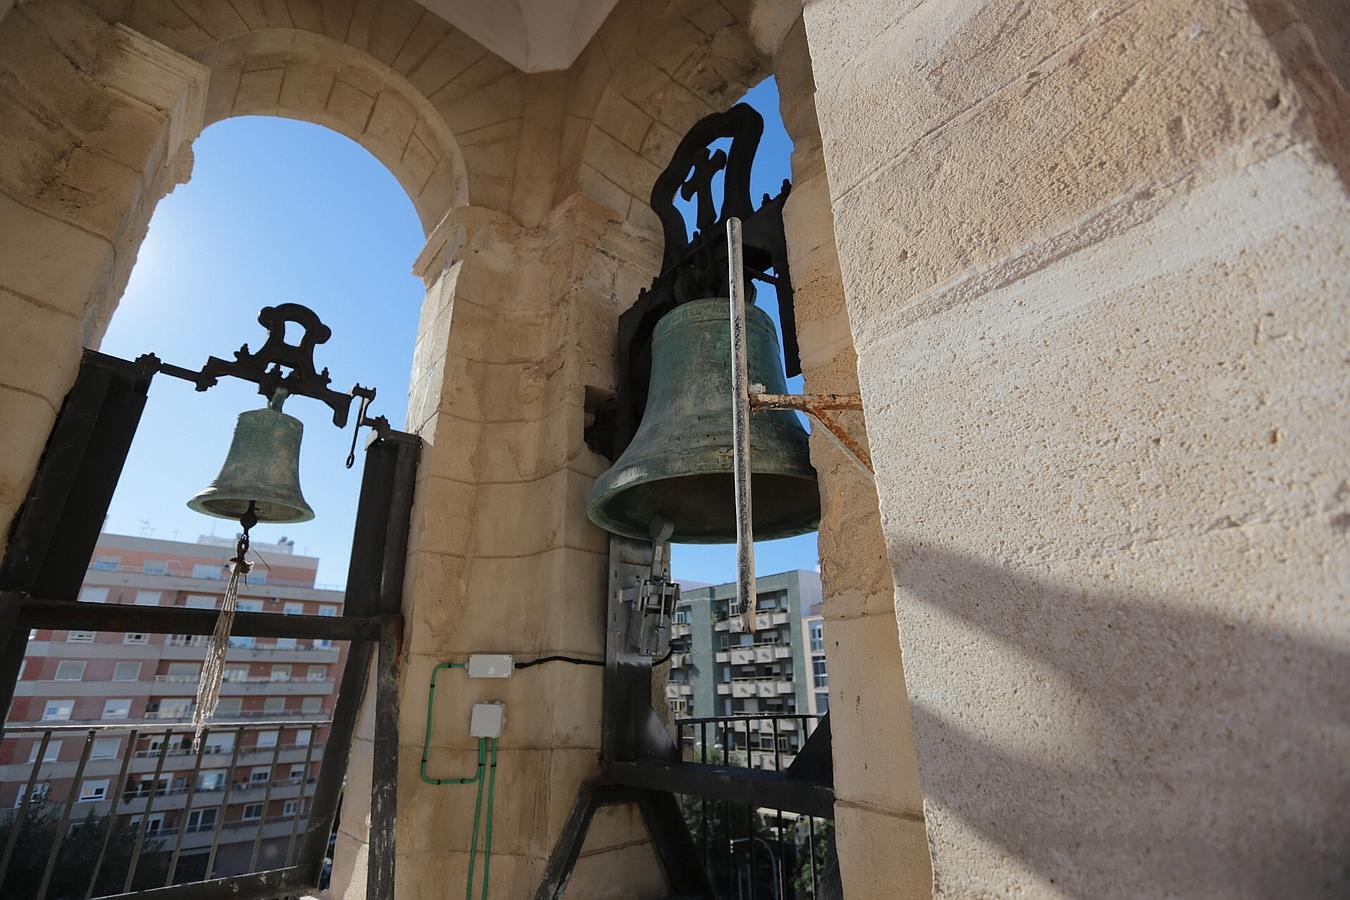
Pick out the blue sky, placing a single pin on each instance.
(280, 211)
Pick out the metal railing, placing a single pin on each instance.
(754, 852)
(87, 832)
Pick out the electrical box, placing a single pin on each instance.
(490, 665)
(487, 720)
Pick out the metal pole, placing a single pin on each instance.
(740, 427)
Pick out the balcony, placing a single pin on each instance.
(186, 686)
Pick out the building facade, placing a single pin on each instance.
(108, 712)
(719, 668)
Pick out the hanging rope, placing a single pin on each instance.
(213, 667)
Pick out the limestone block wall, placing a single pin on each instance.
(1095, 260)
(516, 326)
(98, 124)
(879, 826)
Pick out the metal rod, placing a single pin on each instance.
(816, 406)
(118, 787)
(267, 798)
(145, 816)
(811, 848)
(187, 805)
(23, 810)
(740, 427)
(60, 834)
(224, 801)
(300, 800)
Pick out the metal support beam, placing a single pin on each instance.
(735, 784)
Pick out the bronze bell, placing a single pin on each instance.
(678, 466)
(262, 467)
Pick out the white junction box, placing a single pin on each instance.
(490, 665)
(487, 720)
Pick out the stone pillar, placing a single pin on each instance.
(879, 831)
(1095, 264)
(98, 125)
(517, 324)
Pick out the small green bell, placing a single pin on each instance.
(678, 465)
(262, 467)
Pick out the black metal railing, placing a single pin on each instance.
(91, 825)
(753, 852)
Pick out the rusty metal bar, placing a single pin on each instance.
(225, 801)
(59, 835)
(149, 805)
(187, 804)
(111, 823)
(740, 427)
(300, 802)
(23, 811)
(267, 798)
(817, 406)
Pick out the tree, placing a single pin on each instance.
(77, 856)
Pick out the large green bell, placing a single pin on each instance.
(678, 466)
(263, 468)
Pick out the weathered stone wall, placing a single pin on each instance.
(98, 124)
(883, 850)
(1095, 263)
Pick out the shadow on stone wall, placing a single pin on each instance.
(1087, 733)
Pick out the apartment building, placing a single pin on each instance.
(776, 674)
(109, 713)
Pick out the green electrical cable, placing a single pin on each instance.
(487, 839)
(426, 740)
(476, 778)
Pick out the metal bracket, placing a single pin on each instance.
(265, 367)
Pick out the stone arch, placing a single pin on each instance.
(644, 79)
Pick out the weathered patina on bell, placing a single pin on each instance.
(262, 467)
(678, 465)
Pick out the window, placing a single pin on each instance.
(316, 673)
(236, 674)
(147, 598)
(259, 776)
(302, 738)
(219, 742)
(70, 670)
(199, 601)
(293, 609)
(822, 703)
(155, 567)
(258, 576)
(281, 673)
(290, 808)
(252, 812)
(202, 819)
(328, 610)
(211, 780)
(817, 637)
(821, 677)
(108, 563)
(40, 792)
(127, 671)
(175, 709)
(80, 637)
(311, 705)
(105, 748)
(241, 643)
(274, 705)
(153, 826)
(724, 641)
(285, 643)
(322, 644)
(229, 706)
(681, 616)
(136, 637)
(266, 740)
(117, 709)
(184, 672)
(207, 570)
(58, 710)
(250, 606)
(94, 790)
(298, 772)
(52, 754)
(94, 595)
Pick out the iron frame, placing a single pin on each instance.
(52, 541)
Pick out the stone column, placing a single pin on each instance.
(1095, 264)
(879, 830)
(517, 325)
(98, 125)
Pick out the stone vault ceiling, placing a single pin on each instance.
(532, 35)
